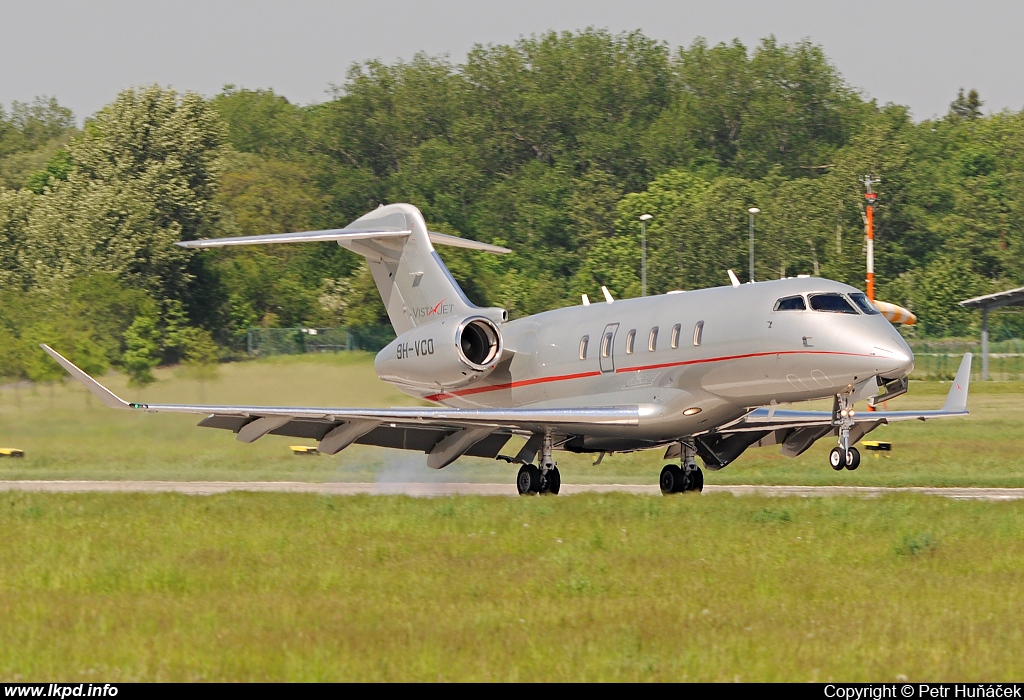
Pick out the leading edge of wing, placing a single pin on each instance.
(498, 417)
(955, 406)
(765, 419)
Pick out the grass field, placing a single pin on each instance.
(108, 587)
(67, 434)
(243, 586)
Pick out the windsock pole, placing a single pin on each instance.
(869, 224)
(870, 197)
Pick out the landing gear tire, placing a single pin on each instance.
(696, 480)
(528, 480)
(677, 480)
(853, 459)
(837, 459)
(554, 482)
(671, 480)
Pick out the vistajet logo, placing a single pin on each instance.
(439, 309)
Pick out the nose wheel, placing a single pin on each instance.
(840, 459)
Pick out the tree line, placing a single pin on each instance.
(553, 146)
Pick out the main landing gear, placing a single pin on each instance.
(543, 479)
(845, 456)
(681, 479)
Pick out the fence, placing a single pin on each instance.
(939, 359)
(262, 342)
(933, 359)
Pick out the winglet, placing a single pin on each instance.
(956, 400)
(104, 394)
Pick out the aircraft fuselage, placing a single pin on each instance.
(723, 350)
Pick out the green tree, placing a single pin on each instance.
(143, 350)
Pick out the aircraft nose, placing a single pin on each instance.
(897, 357)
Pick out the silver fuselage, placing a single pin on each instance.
(747, 355)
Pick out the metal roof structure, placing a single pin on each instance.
(1010, 297)
(988, 302)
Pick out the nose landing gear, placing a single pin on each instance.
(839, 460)
(681, 479)
(845, 456)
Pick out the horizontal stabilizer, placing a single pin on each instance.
(340, 235)
(337, 234)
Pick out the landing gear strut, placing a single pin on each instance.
(687, 477)
(543, 479)
(845, 456)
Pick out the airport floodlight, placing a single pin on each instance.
(644, 218)
(752, 211)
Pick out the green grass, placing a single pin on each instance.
(68, 435)
(113, 587)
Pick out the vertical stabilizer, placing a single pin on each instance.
(414, 283)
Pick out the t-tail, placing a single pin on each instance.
(416, 287)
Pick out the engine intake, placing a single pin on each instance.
(443, 355)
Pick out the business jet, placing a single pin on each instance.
(698, 373)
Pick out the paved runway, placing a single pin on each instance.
(201, 488)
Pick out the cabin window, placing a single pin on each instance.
(630, 341)
(833, 303)
(606, 345)
(584, 342)
(698, 331)
(652, 341)
(790, 304)
(863, 304)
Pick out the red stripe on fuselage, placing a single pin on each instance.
(510, 385)
(583, 375)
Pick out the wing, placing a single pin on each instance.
(796, 431)
(445, 434)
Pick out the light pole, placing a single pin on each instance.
(644, 218)
(751, 212)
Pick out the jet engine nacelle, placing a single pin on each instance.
(446, 354)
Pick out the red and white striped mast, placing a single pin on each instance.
(869, 224)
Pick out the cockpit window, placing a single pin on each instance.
(835, 303)
(790, 304)
(863, 304)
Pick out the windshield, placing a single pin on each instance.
(834, 303)
(863, 304)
